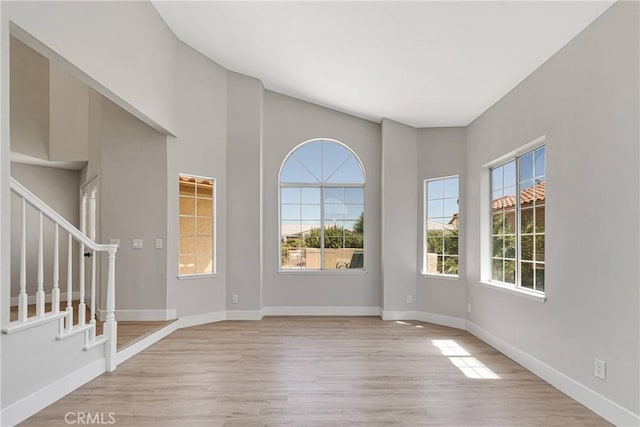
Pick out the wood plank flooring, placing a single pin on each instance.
(321, 371)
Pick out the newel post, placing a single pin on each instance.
(110, 324)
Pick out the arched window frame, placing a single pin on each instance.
(322, 186)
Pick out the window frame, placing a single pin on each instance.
(425, 219)
(488, 276)
(214, 229)
(322, 187)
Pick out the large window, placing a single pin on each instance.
(441, 226)
(196, 225)
(517, 213)
(321, 208)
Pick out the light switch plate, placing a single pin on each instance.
(137, 243)
(158, 243)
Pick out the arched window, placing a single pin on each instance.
(321, 208)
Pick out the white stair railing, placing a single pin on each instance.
(67, 326)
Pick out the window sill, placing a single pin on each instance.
(197, 276)
(322, 272)
(532, 295)
(441, 276)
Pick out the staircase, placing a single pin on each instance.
(68, 324)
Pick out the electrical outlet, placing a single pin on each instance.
(599, 368)
(234, 298)
(468, 307)
(137, 243)
(409, 299)
(114, 242)
(158, 243)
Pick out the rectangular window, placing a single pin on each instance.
(442, 217)
(196, 225)
(517, 218)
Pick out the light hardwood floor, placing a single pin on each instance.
(320, 371)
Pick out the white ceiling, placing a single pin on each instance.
(425, 64)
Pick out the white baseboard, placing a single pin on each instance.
(31, 299)
(141, 315)
(321, 311)
(244, 315)
(200, 319)
(135, 348)
(441, 319)
(599, 404)
(398, 315)
(32, 404)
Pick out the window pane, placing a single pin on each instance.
(451, 187)
(432, 263)
(540, 161)
(510, 246)
(290, 195)
(204, 207)
(450, 207)
(354, 195)
(435, 189)
(510, 271)
(354, 211)
(539, 277)
(435, 208)
(451, 245)
(204, 226)
(334, 195)
(526, 221)
(497, 181)
(204, 189)
(539, 247)
(510, 222)
(311, 196)
(526, 167)
(450, 264)
(526, 278)
(204, 264)
(187, 226)
(187, 205)
(510, 174)
(435, 245)
(187, 265)
(187, 187)
(311, 212)
(187, 245)
(540, 219)
(349, 172)
(527, 248)
(496, 270)
(498, 223)
(293, 171)
(309, 156)
(498, 247)
(291, 212)
(204, 246)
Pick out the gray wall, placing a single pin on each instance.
(585, 99)
(399, 204)
(441, 152)
(59, 189)
(244, 173)
(199, 149)
(133, 204)
(287, 123)
(29, 101)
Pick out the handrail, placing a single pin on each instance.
(57, 218)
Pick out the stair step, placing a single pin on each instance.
(74, 331)
(18, 325)
(98, 341)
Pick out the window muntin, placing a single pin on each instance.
(517, 219)
(196, 228)
(442, 217)
(321, 208)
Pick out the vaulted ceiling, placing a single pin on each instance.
(426, 64)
